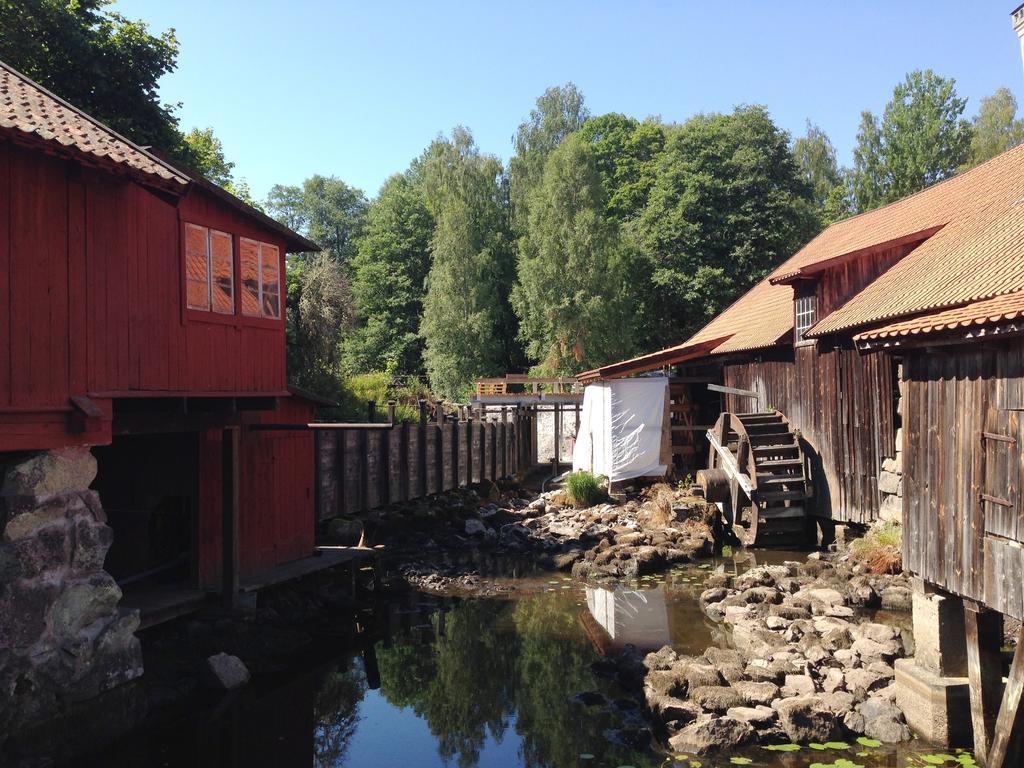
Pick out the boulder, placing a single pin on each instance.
(798, 685)
(713, 595)
(474, 527)
(715, 698)
(896, 598)
(699, 675)
(883, 720)
(712, 734)
(53, 472)
(82, 602)
(756, 693)
(805, 719)
(759, 717)
(226, 672)
(888, 482)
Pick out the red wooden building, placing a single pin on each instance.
(142, 312)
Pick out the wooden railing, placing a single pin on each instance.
(365, 466)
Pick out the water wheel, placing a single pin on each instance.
(758, 472)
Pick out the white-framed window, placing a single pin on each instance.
(209, 270)
(806, 311)
(261, 279)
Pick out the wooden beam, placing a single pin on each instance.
(985, 671)
(728, 463)
(732, 391)
(229, 516)
(1008, 738)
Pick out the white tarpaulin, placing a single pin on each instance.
(620, 428)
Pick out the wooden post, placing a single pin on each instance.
(392, 405)
(229, 514)
(494, 448)
(403, 459)
(504, 441)
(439, 451)
(423, 447)
(371, 411)
(469, 447)
(558, 434)
(1008, 737)
(985, 671)
(384, 487)
(318, 477)
(341, 467)
(364, 471)
(456, 437)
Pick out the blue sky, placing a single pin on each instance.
(357, 90)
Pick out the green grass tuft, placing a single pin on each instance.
(585, 489)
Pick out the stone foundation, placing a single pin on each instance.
(933, 686)
(62, 638)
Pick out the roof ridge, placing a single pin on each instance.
(89, 118)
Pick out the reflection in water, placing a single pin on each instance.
(481, 682)
(632, 616)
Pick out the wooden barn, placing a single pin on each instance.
(883, 367)
(142, 313)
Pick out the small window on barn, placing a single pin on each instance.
(197, 267)
(806, 310)
(261, 279)
(209, 270)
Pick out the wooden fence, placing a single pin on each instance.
(365, 466)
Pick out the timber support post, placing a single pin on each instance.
(229, 507)
(423, 447)
(984, 631)
(1008, 737)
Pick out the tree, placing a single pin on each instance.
(626, 153)
(996, 127)
(728, 205)
(319, 312)
(207, 158)
(100, 61)
(571, 288)
(815, 157)
(325, 209)
(389, 275)
(559, 111)
(467, 324)
(922, 138)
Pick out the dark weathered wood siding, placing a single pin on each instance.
(842, 403)
(963, 526)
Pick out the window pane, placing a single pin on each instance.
(249, 260)
(223, 287)
(197, 267)
(271, 287)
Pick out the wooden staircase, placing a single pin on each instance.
(758, 472)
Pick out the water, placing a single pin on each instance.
(485, 682)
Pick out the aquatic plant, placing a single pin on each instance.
(880, 549)
(585, 489)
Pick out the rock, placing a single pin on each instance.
(715, 698)
(756, 693)
(754, 641)
(891, 510)
(776, 622)
(536, 508)
(92, 540)
(672, 710)
(698, 675)
(666, 683)
(761, 595)
(798, 685)
(713, 595)
(661, 659)
(53, 472)
(590, 698)
(723, 657)
(839, 702)
(880, 633)
(29, 521)
(474, 527)
(805, 719)
(896, 598)
(226, 672)
(883, 720)
(758, 717)
(829, 597)
(82, 602)
(870, 650)
(888, 482)
(345, 531)
(861, 682)
(834, 680)
(712, 734)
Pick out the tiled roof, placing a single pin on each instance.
(31, 109)
(1002, 308)
(962, 197)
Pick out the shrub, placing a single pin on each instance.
(585, 489)
(880, 549)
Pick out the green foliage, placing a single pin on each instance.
(390, 269)
(467, 324)
(319, 311)
(558, 112)
(626, 153)
(570, 297)
(207, 158)
(996, 127)
(325, 209)
(922, 138)
(815, 157)
(585, 489)
(380, 387)
(727, 205)
(103, 63)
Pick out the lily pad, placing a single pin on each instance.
(836, 745)
(740, 761)
(864, 741)
(586, 756)
(783, 747)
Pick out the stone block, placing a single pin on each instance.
(888, 482)
(53, 472)
(891, 509)
(936, 708)
(940, 642)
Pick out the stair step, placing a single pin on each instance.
(763, 480)
(780, 496)
(780, 513)
(759, 415)
(780, 463)
(767, 429)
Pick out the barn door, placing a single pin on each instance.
(999, 476)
